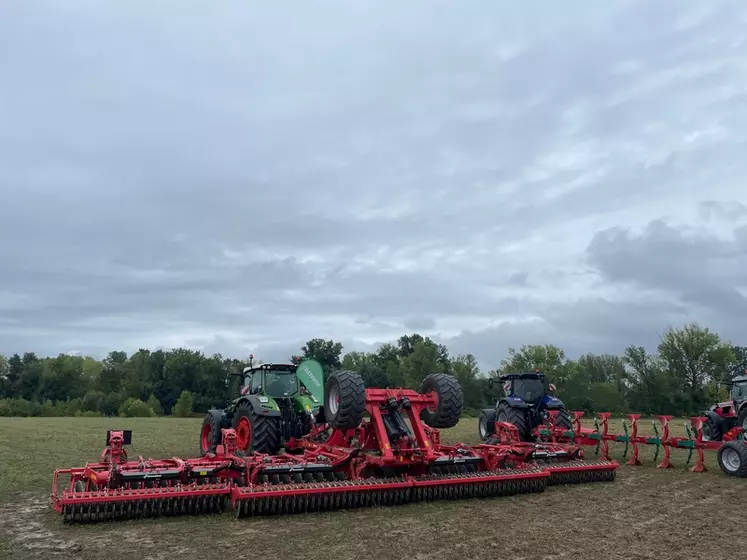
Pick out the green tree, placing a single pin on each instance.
(184, 405)
(365, 364)
(547, 358)
(695, 356)
(326, 352)
(135, 408)
(154, 405)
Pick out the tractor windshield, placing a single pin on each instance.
(531, 390)
(280, 384)
(739, 390)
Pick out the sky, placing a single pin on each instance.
(242, 176)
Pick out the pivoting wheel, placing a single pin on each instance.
(447, 393)
(345, 400)
(210, 435)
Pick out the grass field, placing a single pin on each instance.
(645, 513)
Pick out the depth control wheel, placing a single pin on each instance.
(448, 409)
(344, 400)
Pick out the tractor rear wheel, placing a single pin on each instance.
(711, 430)
(732, 458)
(486, 423)
(210, 435)
(256, 433)
(742, 420)
(448, 410)
(516, 417)
(344, 400)
(563, 419)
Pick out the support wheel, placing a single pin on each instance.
(516, 417)
(344, 400)
(210, 435)
(448, 410)
(732, 458)
(255, 433)
(486, 423)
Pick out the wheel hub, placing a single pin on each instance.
(243, 434)
(731, 460)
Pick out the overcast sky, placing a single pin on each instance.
(244, 176)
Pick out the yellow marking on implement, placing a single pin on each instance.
(427, 443)
(203, 473)
(386, 446)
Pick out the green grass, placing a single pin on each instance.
(32, 448)
(646, 513)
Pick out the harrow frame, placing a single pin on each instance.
(393, 457)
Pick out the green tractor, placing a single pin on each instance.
(276, 402)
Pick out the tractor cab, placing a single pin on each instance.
(278, 381)
(738, 391)
(527, 387)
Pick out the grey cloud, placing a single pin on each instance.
(239, 179)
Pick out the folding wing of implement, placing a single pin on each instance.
(378, 447)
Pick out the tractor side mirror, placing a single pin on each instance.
(491, 383)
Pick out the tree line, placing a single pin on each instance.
(685, 374)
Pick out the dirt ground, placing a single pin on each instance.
(645, 513)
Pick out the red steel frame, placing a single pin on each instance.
(357, 460)
(602, 437)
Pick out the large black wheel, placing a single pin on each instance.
(563, 419)
(732, 458)
(210, 435)
(712, 430)
(448, 410)
(344, 400)
(256, 433)
(742, 420)
(486, 423)
(516, 417)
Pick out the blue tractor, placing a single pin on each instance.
(525, 404)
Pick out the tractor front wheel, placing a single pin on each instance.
(344, 400)
(516, 417)
(210, 435)
(255, 433)
(732, 458)
(448, 409)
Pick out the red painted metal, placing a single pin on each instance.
(601, 436)
(327, 468)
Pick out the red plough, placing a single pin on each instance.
(600, 437)
(394, 456)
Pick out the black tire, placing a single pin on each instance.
(264, 431)
(563, 419)
(344, 400)
(742, 419)
(450, 400)
(486, 423)
(711, 430)
(516, 417)
(210, 435)
(732, 458)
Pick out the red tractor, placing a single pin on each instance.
(726, 420)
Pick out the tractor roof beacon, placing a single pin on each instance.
(525, 404)
(722, 418)
(276, 402)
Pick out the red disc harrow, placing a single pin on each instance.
(391, 457)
